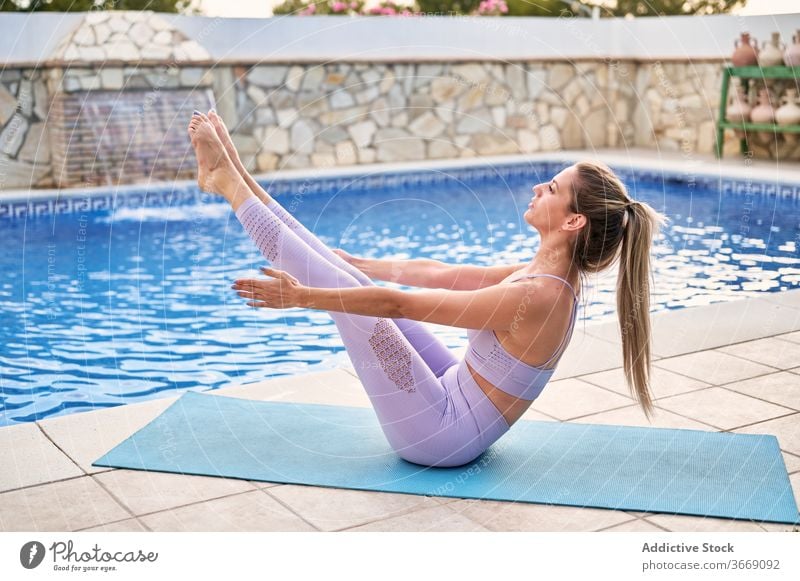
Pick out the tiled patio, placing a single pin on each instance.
(730, 366)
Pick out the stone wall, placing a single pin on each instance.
(113, 104)
(340, 114)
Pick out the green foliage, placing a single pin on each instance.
(670, 7)
(445, 7)
(537, 7)
(174, 6)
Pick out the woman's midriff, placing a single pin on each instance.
(509, 406)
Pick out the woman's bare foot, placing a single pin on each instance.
(215, 171)
(227, 142)
(225, 138)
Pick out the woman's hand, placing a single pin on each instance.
(281, 292)
(361, 264)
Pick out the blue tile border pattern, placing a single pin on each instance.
(187, 193)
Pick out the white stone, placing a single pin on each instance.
(400, 119)
(96, 17)
(558, 116)
(191, 76)
(472, 99)
(91, 54)
(294, 78)
(266, 161)
(267, 76)
(102, 32)
(346, 153)
(537, 81)
(362, 132)
(265, 116)
(276, 140)
(323, 160)
(581, 105)
(386, 83)
(366, 155)
(442, 149)
(25, 97)
(158, 23)
(13, 135)
(427, 125)
(71, 53)
(136, 15)
(479, 122)
(499, 116)
(141, 34)
(313, 78)
(302, 137)
(163, 37)
(379, 111)
(472, 73)
(445, 111)
(396, 145)
(154, 52)
(543, 113)
(286, 116)
(367, 95)
(341, 99)
(397, 99)
(528, 141)
(445, 89)
(111, 78)
(370, 77)
(91, 83)
(494, 144)
(194, 51)
(594, 125)
(8, 104)
(515, 77)
(549, 138)
(256, 94)
(560, 74)
(84, 36)
(118, 24)
(122, 51)
(36, 148)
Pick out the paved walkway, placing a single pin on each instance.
(729, 366)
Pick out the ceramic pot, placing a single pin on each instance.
(789, 112)
(771, 53)
(764, 112)
(746, 54)
(791, 56)
(738, 109)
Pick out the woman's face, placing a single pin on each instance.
(549, 207)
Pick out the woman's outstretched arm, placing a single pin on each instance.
(496, 308)
(429, 273)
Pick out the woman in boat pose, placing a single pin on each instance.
(434, 408)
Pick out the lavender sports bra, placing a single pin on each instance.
(491, 361)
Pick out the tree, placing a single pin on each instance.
(538, 8)
(174, 6)
(669, 7)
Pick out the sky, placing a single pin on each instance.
(263, 8)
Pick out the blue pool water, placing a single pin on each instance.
(102, 308)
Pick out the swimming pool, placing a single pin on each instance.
(113, 299)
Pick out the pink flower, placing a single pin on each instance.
(339, 6)
(354, 5)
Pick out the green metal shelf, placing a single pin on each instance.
(751, 73)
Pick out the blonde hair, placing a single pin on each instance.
(619, 228)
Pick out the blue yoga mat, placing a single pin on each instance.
(692, 472)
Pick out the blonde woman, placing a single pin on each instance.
(434, 408)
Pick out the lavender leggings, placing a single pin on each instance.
(430, 409)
